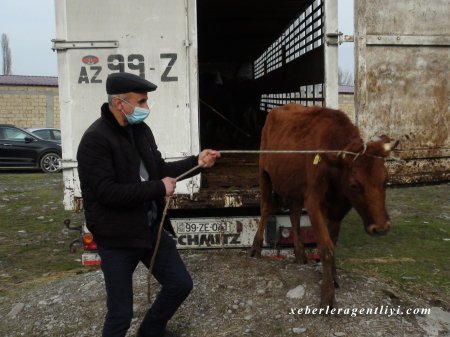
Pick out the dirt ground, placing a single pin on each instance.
(233, 295)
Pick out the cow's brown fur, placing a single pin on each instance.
(328, 188)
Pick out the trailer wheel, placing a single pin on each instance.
(50, 162)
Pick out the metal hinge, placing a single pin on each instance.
(64, 45)
(409, 40)
(68, 164)
(346, 38)
(337, 38)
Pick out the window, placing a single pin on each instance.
(14, 134)
(44, 134)
(56, 134)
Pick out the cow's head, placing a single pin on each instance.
(365, 179)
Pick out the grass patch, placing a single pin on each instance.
(415, 254)
(34, 244)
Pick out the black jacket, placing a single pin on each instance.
(115, 199)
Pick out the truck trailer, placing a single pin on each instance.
(220, 66)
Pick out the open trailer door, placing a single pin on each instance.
(402, 60)
(92, 43)
(301, 65)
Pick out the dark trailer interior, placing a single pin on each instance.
(252, 55)
(250, 59)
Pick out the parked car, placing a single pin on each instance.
(21, 149)
(51, 134)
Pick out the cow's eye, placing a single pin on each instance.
(355, 186)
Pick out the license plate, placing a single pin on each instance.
(214, 232)
(204, 227)
(90, 259)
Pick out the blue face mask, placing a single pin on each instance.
(138, 115)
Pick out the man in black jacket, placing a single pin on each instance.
(124, 181)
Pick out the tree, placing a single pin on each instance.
(6, 53)
(345, 77)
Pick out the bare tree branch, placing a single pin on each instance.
(6, 54)
(345, 77)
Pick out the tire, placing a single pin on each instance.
(50, 162)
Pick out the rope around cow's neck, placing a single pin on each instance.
(337, 152)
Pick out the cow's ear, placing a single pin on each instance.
(383, 145)
(381, 139)
(355, 146)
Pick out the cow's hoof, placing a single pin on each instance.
(327, 306)
(254, 252)
(301, 258)
(336, 284)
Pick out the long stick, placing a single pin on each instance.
(158, 238)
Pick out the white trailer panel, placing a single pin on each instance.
(95, 40)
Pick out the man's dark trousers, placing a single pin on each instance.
(118, 265)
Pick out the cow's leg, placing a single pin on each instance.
(326, 249)
(266, 207)
(334, 228)
(299, 249)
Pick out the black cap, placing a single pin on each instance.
(121, 83)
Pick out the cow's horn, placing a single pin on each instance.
(387, 147)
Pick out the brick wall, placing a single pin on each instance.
(347, 105)
(29, 106)
(38, 106)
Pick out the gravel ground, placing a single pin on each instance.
(233, 296)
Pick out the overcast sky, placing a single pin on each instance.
(30, 26)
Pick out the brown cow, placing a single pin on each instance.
(327, 185)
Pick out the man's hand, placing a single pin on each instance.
(169, 184)
(207, 158)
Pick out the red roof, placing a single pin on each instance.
(346, 89)
(46, 81)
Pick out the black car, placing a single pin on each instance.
(21, 149)
(51, 134)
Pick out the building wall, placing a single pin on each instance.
(38, 106)
(29, 106)
(347, 105)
